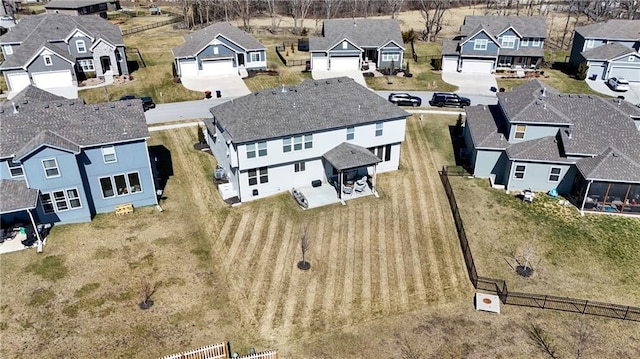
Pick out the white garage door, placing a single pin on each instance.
(629, 73)
(188, 68)
(477, 66)
(45, 80)
(17, 82)
(344, 63)
(319, 63)
(449, 64)
(218, 67)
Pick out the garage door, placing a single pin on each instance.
(17, 82)
(449, 64)
(188, 68)
(218, 67)
(46, 80)
(319, 63)
(344, 63)
(631, 74)
(477, 66)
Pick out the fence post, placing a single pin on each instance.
(544, 303)
(585, 306)
(625, 313)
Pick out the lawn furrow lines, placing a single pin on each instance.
(224, 232)
(414, 247)
(385, 295)
(365, 237)
(398, 233)
(334, 249)
(264, 263)
(293, 277)
(315, 247)
(237, 239)
(256, 236)
(347, 292)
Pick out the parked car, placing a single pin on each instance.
(405, 99)
(127, 97)
(147, 103)
(618, 84)
(442, 99)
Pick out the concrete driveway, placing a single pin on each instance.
(633, 95)
(356, 75)
(230, 86)
(471, 84)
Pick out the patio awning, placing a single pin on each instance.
(16, 196)
(347, 156)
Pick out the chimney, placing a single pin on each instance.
(570, 132)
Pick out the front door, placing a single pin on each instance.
(105, 61)
(240, 59)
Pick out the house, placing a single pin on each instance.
(220, 49)
(490, 43)
(80, 159)
(610, 49)
(82, 7)
(347, 44)
(330, 131)
(584, 146)
(54, 52)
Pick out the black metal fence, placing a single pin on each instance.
(533, 300)
(286, 62)
(151, 26)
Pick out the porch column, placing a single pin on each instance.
(584, 200)
(373, 180)
(33, 223)
(340, 184)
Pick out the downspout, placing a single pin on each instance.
(584, 200)
(373, 181)
(35, 228)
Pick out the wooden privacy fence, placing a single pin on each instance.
(499, 286)
(220, 351)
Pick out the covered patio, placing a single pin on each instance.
(352, 170)
(18, 226)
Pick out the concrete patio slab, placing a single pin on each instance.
(471, 84)
(633, 95)
(230, 86)
(356, 75)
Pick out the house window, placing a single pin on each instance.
(535, 43)
(344, 45)
(74, 198)
(351, 133)
(120, 185)
(15, 169)
(520, 130)
(51, 168)
(118, 56)
(508, 42)
(286, 145)
(47, 60)
(299, 167)
(215, 50)
(390, 57)
(383, 152)
(480, 44)
(379, 129)
(63, 200)
(254, 57)
(554, 174)
(86, 65)
(253, 177)
(308, 141)
(262, 174)
(47, 203)
(262, 149)
(109, 154)
(519, 173)
(81, 46)
(107, 187)
(251, 150)
(524, 42)
(134, 182)
(8, 50)
(590, 43)
(297, 143)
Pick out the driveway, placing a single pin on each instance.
(230, 86)
(355, 74)
(633, 95)
(471, 84)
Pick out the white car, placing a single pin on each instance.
(618, 84)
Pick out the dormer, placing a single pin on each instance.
(77, 33)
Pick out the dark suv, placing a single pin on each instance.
(147, 103)
(442, 99)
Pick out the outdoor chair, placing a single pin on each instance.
(347, 190)
(362, 181)
(359, 187)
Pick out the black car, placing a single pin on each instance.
(442, 99)
(147, 103)
(404, 99)
(127, 97)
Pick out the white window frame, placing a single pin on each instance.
(287, 144)
(382, 152)
(258, 175)
(47, 202)
(299, 166)
(67, 202)
(262, 149)
(519, 135)
(13, 166)
(129, 189)
(524, 42)
(251, 150)
(480, 44)
(345, 45)
(535, 43)
(86, 65)
(107, 152)
(8, 49)
(254, 56)
(78, 46)
(522, 172)
(590, 43)
(351, 133)
(508, 42)
(390, 56)
(308, 141)
(47, 60)
(297, 143)
(56, 167)
(554, 174)
(379, 128)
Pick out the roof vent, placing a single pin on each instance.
(124, 131)
(283, 89)
(619, 101)
(544, 105)
(15, 109)
(128, 103)
(113, 105)
(25, 101)
(58, 104)
(614, 154)
(96, 108)
(544, 91)
(46, 105)
(358, 107)
(484, 107)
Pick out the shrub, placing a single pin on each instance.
(201, 134)
(436, 64)
(581, 72)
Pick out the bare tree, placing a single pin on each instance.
(304, 247)
(244, 9)
(332, 7)
(395, 6)
(584, 336)
(542, 340)
(271, 7)
(298, 10)
(630, 8)
(407, 351)
(146, 290)
(432, 12)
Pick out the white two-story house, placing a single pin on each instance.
(331, 131)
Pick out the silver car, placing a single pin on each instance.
(618, 84)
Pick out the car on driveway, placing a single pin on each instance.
(405, 99)
(448, 99)
(618, 84)
(147, 103)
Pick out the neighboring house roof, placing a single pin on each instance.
(607, 52)
(450, 47)
(69, 124)
(526, 26)
(16, 196)
(484, 124)
(33, 32)
(546, 149)
(309, 107)
(361, 32)
(612, 30)
(31, 94)
(347, 155)
(197, 41)
(74, 4)
(611, 165)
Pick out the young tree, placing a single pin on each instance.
(304, 247)
(146, 290)
(542, 340)
(581, 73)
(584, 336)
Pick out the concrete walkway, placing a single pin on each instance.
(177, 125)
(356, 75)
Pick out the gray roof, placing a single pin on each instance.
(607, 52)
(197, 41)
(612, 165)
(347, 155)
(486, 126)
(309, 107)
(612, 30)
(450, 47)
(546, 149)
(31, 94)
(32, 32)
(525, 104)
(372, 33)
(526, 26)
(74, 4)
(69, 124)
(16, 196)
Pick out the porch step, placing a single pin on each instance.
(243, 72)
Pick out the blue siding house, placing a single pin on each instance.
(489, 43)
(585, 147)
(80, 159)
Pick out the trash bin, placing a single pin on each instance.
(594, 77)
(207, 94)
(218, 93)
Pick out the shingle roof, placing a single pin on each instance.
(526, 104)
(70, 123)
(32, 32)
(485, 124)
(546, 149)
(196, 41)
(362, 32)
(607, 52)
(450, 47)
(73, 4)
(612, 29)
(48, 138)
(527, 26)
(612, 165)
(346, 155)
(309, 107)
(31, 94)
(16, 196)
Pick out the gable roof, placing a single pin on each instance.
(611, 165)
(485, 125)
(16, 196)
(46, 138)
(197, 41)
(347, 155)
(615, 29)
(606, 52)
(361, 32)
(31, 94)
(74, 4)
(309, 107)
(527, 26)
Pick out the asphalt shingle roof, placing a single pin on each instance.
(197, 41)
(541, 149)
(31, 94)
(527, 26)
(346, 155)
(47, 137)
(16, 196)
(612, 30)
(486, 125)
(610, 165)
(607, 52)
(450, 47)
(362, 32)
(32, 32)
(73, 4)
(309, 107)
